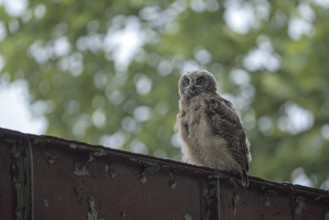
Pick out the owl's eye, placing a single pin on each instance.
(200, 80)
(186, 81)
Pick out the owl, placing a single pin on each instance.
(211, 132)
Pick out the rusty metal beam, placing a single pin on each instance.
(50, 178)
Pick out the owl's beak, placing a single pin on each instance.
(194, 87)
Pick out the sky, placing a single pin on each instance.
(15, 113)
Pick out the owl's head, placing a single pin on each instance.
(195, 82)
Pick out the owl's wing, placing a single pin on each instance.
(225, 122)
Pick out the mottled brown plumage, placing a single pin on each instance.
(212, 134)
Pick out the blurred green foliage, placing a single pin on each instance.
(106, 73)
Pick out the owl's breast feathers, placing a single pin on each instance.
(225, 123)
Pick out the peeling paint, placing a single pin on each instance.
(187, 216)
(172, 184)
(99, 153)
(21, 177)
(19, 214)
(210, 192)
(217, 175)
(73, 146)
(326, 215)
(91, 158)
(80, 169)
(292, 199)
(235, 200)
(142, 179)
(300, 205)
(148, 169)
(9, 141)
(321, 196)
(297, 203)
(45, 202)
(267, 197)
(38, 140)
(51, 158)
(151, 169)
(92, 213)
(266, 201)
(78, 193)
(110, 170)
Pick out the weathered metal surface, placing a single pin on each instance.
(267, 200)
(7, 201)
(103, 186)
(22, 178)
(49, 178)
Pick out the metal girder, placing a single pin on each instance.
(50, 178)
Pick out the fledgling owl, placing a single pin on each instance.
(210, 129)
